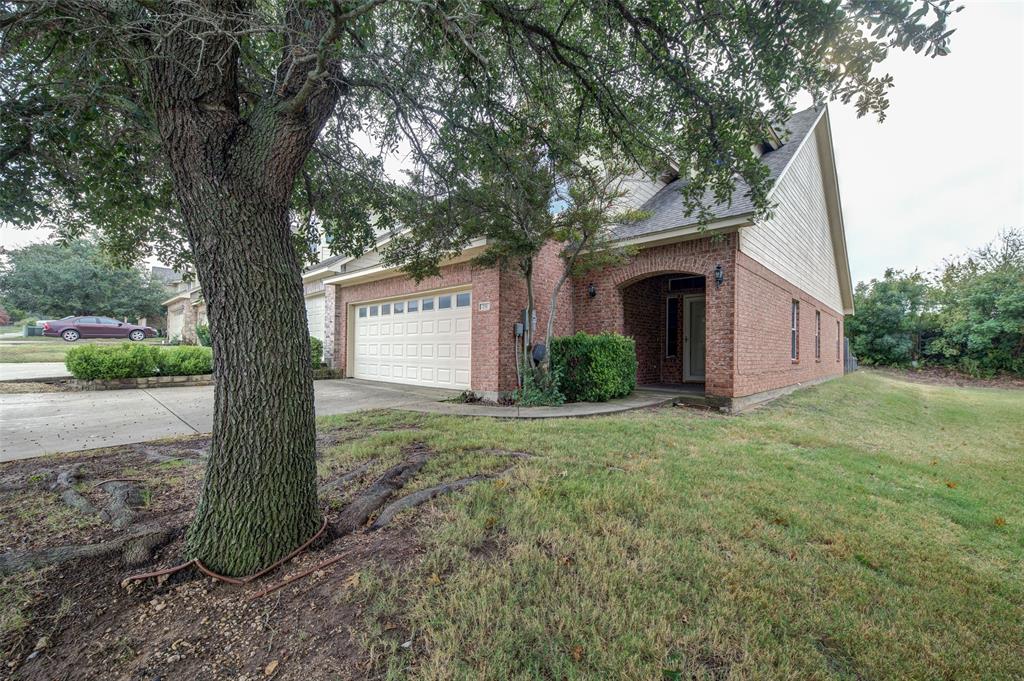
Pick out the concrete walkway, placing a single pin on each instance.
(33, 424)
(28, 371)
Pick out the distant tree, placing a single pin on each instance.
(54, 281)
(981, 308)
(891, 319)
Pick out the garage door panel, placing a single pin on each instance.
(425, 340)
(315, 306)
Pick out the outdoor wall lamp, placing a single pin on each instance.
(592, 291)
(719, 275)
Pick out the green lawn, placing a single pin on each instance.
(865, 528)
(36, 349)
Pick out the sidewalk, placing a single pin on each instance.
(27, 371)
(33, 424)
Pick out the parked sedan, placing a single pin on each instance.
(73, 328)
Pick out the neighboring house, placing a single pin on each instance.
(169, 278)
(743, 307)
(185, 309)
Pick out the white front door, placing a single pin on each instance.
(422, 340)
(694, 324)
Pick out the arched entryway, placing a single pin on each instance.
(666, 316)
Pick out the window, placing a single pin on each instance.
(362, 312)
(108, 320)
(683, 283)
(428, 304)
(444, 302)
(839, 340)
(817, 335)
(399, 308)
(671, 327)
(88, 320)
(413, 305)
(462, 300)
(385, 308)
(373, 310)
(794, 332)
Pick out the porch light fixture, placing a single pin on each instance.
(592, 291)
(719, 274)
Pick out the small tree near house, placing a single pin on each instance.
(527, 194)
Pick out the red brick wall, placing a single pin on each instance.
(547, 268)
(605, 312)
(643, 320)
(747, 316)
(763, 301)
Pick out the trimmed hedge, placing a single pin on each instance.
(134, 360)
(186, 360)
(316, 348)
(89, 362)
(594, 368)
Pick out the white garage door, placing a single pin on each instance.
(423, 341)
(315, 315)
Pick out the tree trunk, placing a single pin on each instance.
(259, 496)
(233, 176)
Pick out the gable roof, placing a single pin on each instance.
(666, 207)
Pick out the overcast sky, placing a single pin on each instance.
(945, 171)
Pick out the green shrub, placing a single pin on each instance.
(594, 368)
(186, 360)
(539, 390)
(128, 360)
(203, 334)
(316, 351)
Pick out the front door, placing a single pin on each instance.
(694, 324)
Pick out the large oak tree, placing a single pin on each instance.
(241, 127)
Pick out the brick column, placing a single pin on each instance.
(188, 325)
(334, 328)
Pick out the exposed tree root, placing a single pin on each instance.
(338, 484)
(123, 496)
(423, 496)
(136, 547)
(376, 495)
(65, 486)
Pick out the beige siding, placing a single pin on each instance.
(796, 242)
(637, 189)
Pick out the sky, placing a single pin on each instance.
(944, 173)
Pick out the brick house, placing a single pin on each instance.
(746, 308)
(743, 308)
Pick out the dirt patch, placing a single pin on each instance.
(943, 376)
(82, 620)
(91, 628)
(168, 475)
(21, 387)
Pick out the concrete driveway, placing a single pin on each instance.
(26, 371)
(34, 424)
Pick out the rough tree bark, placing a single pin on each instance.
(233, 176)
